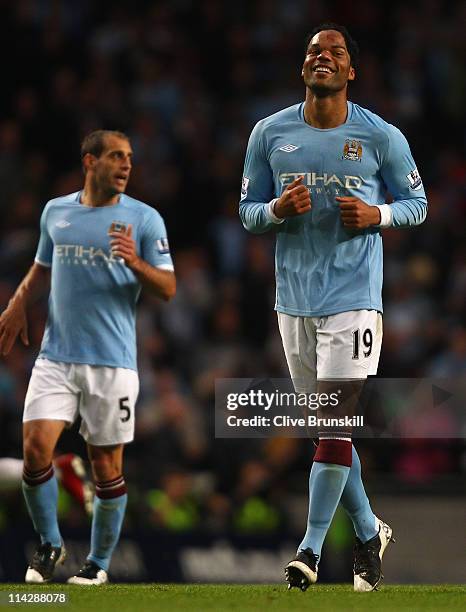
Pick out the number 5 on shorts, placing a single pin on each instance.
(126, 409)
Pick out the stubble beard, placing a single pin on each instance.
(103, 185)
(323, 90)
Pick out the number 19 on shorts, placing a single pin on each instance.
(367, 340)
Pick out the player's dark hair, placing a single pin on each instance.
(351, 44)
(94, 143)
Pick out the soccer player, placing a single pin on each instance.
(99, 246)
(317, 174)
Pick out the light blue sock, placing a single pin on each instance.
(356, 503)
(106, 526)
(41, 502)
(326, 483)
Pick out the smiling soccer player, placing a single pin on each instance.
(317, 174)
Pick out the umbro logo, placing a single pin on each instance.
(62, 224)
(289, 148)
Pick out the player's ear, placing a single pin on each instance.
(352, 74)
(88, 161)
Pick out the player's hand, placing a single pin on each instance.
(13, 321)
(295, 200)
(356, 214)
(123, 245)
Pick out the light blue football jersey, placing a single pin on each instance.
(93, 294)
(323, 268)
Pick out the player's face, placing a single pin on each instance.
(112, 169)
(327, 65)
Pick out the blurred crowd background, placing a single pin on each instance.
(187, 81)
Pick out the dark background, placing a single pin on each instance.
(187, 81)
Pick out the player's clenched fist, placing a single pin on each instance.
(295, 200)
(356, 214)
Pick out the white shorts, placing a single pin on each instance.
(104, 397)
(342, 346)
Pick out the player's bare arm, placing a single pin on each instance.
(356, 214)
(13, 320)
(158, 281)
(295, 200)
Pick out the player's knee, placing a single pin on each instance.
(105, 467)
(37, 451)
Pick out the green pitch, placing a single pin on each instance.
(204, 597)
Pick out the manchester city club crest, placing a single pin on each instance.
(117, 226)
(352, 150)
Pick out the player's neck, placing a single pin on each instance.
(325, 112)
(95, 197)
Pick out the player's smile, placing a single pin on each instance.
(323, 69)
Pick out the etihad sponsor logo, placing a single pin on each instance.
(77, 254)
(314, 179)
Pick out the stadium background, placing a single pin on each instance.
(187, 81)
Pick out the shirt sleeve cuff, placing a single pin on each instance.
(42, 263)
(386, 215)
(271, 215)
(166, 266)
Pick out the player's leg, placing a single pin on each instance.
(50, 404)
(372, 534)
(367, 343)
(108, 514)
(109, 511)
(356, 503)
(40, 486)
(332, 463)
(109, 503)
(299, 343)
(353, 351)
(338, 373)
(107, 410)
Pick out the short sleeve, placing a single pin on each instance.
(154, 242)
(44, 252)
